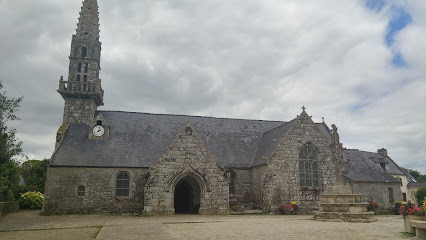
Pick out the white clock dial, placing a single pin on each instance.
(98, 131)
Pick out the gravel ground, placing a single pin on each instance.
(30, 225)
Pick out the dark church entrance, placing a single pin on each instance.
(187, 196)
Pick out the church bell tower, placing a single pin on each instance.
(82, 91)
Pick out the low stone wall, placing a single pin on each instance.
(8, 207)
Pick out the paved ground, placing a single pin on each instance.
(30, 225)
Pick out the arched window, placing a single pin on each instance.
(308, 169)
(86, 67)
(79, 67)
(230, 178)
(123, 182)
(81, 190)
(84, 52)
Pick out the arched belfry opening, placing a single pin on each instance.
(187, 196)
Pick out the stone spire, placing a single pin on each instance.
(82, 91)
(88, 24)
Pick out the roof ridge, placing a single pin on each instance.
(187, 115)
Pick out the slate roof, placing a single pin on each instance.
(416, 184)
(140, 140)
(363, 167)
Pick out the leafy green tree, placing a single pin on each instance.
(34, 174)
(421, 195)
(417, 175)
(9, 147)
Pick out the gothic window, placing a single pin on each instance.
(85, 78)
(84, 52)
(99, 123)
(79, 67)
(81, 190)
(78, 77)
(86, 67)
(230, 178)
(308, 169)
(122, 185)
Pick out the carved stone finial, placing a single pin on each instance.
(303, 108)
(61, 79)
(323, 120)
(335, 135)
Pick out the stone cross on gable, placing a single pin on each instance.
(303, 108)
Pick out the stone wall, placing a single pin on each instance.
(8, 207)
(378, 192)
(281, 181)
(186, 157)
(62, 183)
(243, 196)
(258, 176)
(79, 110)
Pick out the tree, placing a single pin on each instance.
(417, 175)
(34, 173)
(9, 147)
(420, 195)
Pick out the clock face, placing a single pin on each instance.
(98, 131)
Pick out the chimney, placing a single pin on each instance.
(383, 151)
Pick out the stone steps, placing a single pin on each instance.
(345, 216)
(247, 212)
(343, 207)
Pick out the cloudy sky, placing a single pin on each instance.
(361, 64)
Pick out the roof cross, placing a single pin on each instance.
(303, 108)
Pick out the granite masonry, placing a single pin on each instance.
(127, 162)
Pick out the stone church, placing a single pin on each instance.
(128, 162)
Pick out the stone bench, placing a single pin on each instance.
(420, 227)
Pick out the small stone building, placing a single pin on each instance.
(124, 162)
(367, 174)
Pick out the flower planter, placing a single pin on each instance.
(407, 226)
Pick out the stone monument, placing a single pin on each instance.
(338, 203)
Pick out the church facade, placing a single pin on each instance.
(127, 162)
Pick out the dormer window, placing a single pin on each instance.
(383, 165)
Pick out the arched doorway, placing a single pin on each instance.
(187, 196)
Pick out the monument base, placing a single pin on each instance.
(338, 203)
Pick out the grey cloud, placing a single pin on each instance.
(243, 59)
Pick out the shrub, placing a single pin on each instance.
(421, 195)
(397, 207)
(406, 208)
(290, 208)
(372, 206)
(31, 200)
